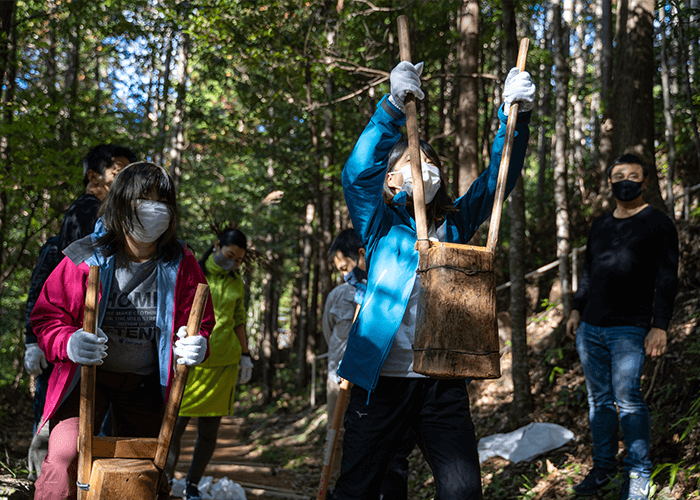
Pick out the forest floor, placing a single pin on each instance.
(276, 451)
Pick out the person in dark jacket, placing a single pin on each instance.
(621, 312)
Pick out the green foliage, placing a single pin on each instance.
(275, 98)
(690, 420)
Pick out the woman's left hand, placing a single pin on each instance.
(190, 350)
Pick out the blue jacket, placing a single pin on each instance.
(388, 233)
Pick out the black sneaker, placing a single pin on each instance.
(595, 481)
(192, 492)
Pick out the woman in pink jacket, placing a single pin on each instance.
(148, 282)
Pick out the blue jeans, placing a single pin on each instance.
(612, 359)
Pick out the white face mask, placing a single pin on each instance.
(431, 181)
(155, 219)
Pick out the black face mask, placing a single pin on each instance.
(626, 190)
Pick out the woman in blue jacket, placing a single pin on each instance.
(388, 397)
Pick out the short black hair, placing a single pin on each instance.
(102, 156)
(627, 159)
(118, 210)
(346, 242)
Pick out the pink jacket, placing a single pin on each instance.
(58, 313)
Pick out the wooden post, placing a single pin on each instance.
(180, 380)
(332, 439)
(414, 151)
(505, 158)
(87, 388)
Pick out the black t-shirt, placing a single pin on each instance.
(630, 274)
(79, 220)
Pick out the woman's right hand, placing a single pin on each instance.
(87, 348)
(405, 78)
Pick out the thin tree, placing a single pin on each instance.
(633, 99)
(467, 169)
(603, 52)
(685, 76)
(177, 138)
(561, 79)
(668, 117)
(522, 399)
(307, 253)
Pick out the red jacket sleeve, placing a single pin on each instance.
(189, 276)
(58, 311)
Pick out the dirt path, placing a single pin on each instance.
(236, 460)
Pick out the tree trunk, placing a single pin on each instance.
(267, 348)
(668, 117)
(7, 12)
(694, 53)
(327, 203)
(70, 84)
(161, 110)
(685, 77)
(466, 140)
(305, 270)
(561, 79)
(578, 71)
(543, 107)
(605, 150)
(633, 100)
(522, 401)
(177, 139)
(10, 68)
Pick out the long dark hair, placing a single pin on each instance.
(226, 237)
(437, 209)
(119, 208)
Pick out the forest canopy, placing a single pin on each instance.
(253, 107)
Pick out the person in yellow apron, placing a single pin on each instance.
(211, 387)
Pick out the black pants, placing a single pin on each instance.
(207, 431)
(437, 411)
(135, 401)
(395, 484)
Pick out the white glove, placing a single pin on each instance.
(189, 350)
(34, 359)
(405, 78)
(87, 348)
(37, 452)
(246, 369)
(519, 88)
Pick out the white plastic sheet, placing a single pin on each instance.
(223, 489)
(525, 443)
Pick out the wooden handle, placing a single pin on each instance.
(332, 438)
(413, 143)
(87, 387)
(179, 380)
(505, 158)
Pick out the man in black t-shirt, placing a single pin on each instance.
(621, 313)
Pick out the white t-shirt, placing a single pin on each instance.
(399, 362)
